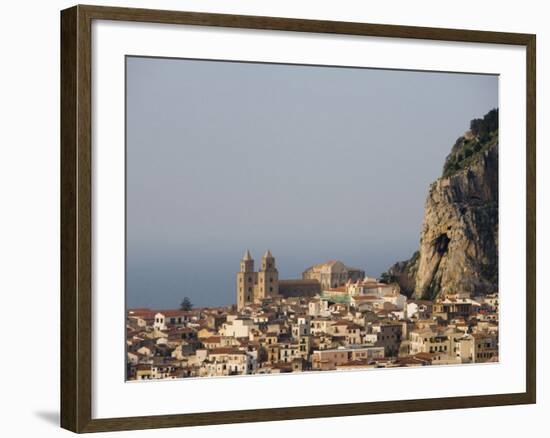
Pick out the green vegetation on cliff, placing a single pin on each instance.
(483, 134)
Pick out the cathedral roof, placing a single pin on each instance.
(247, 255)
(268, 254)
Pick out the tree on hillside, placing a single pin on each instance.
(482, 127)
(262, 355)
(186, 304)
(387, 278)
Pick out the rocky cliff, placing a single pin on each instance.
(459, 238)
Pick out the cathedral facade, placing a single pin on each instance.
(253, 286)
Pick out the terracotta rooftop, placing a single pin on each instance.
(176, 313)
(225, 350)
(212, 339)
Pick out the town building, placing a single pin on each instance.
(332, 274)
(299, 288)
(330, 359)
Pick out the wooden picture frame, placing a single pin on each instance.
(76, 217)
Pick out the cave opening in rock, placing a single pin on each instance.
(441, 243)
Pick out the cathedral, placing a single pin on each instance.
(253, 286)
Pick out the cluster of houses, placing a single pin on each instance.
(360, 324)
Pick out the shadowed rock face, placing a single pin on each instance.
(404, 274)
(459, 238)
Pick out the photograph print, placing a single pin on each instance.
(286, 218)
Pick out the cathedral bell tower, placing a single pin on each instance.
(247, 262)
(252, 286)
(268, 277)
(247, 281)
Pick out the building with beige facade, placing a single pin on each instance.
(332, 274)
(330, 359)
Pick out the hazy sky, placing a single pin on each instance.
(314, 163)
